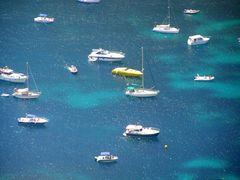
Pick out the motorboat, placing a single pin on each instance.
(140, 90)
(106, 157)
(203, 78)
(166, 28)
(89, 1)
(73, 69)
(25, 93)
(9, 75)
(105, 55)
(191, 11)
(30, 118)
(139, 130)
(124, 71)
(42, 18)
(197, 39)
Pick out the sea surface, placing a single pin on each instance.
(88, 112)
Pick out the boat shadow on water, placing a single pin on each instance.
(32, 125)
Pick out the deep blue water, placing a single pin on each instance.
(89, 111)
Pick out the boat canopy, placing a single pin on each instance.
(30, 115)
(134, 127)
(105, 153)
(43, 15)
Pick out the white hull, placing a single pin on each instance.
(27, 95)
(89, 1)
(106, 159)
(43, 20)
(197, 40)
(35, 120)
(105, 55)
(138, 130)
(191, 11)
(166, 29)
(203, 78)
(142, 92)
(16, 78)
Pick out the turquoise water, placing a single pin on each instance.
(199, 121)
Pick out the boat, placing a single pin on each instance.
(140, 90)
(9, 75)
(197, 39)
(124, 71)
(89, 1)
(106, 157)
(203, 78)
(191, 11)
(42, 18)
(73, 69)
(25, 93)
(30, 118)
(139, 130)
(105, 55)
(166, 28)
(5, 95)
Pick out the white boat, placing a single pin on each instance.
(30, 118)
(25, 93)
(166, 28)
(191, 11)
(203, 78)
(106, 157)
(139, 130)
(197, 39)
(9, 75)
(140, 91)
(105, 55)
(73, 69)
(42, 18)
(5, 95)
(89, 1)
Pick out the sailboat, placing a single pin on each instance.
(140, 91)
(166, 28)
(25, 93)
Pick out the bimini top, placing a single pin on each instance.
(30, 115)
(105, 153)
(134, 127)
(43, 15)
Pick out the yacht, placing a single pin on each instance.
(89, 1)
(7, 74)
(203, 78)
(42, 18)
(73, 69)
(166, 27)
(124, 71)
(197, 39)
(30, 118)
(139, 130)
(25, 93)
(191, 11)
(105, 55)
(106, 157)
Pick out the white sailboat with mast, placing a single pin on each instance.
(141, 91)
(25, 93)
(166, 28)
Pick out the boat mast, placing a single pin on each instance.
(142, 70)
(27, 76)
(169, 16)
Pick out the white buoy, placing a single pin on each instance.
(165, 146)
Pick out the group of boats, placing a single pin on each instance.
(134, 130)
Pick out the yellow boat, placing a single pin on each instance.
(124, 71)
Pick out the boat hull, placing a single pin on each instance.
(29, 95)
(9, 78)
(141, 135)
(142, 93)
(166, 30)
(127, 72)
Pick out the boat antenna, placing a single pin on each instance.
(142, 69)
